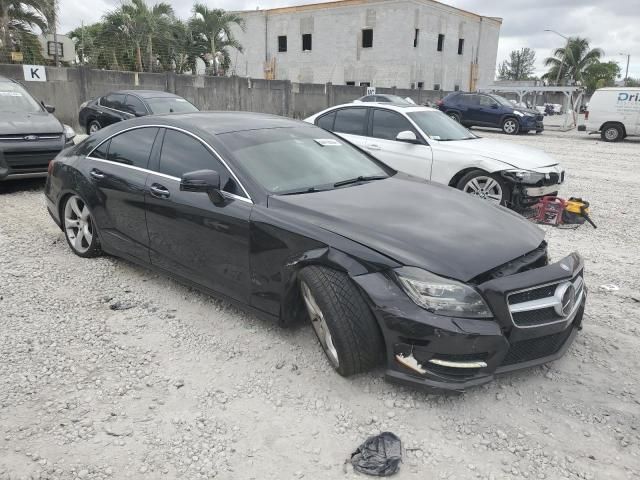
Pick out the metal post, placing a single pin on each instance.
(563, 56)
(626, 75)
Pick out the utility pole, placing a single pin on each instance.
(55, 35)
(626, 75)
(563, 56)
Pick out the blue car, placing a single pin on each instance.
(487, 110)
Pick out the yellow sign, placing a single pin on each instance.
(16, 56)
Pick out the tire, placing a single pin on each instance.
(612, 133)
(488, 186)
(454, 116)
(93, 127)
(79, 228)
(511, 126)
(335, 306)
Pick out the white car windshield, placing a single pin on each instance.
(14, 98)
(438, 126)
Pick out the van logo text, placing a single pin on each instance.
(627, 97)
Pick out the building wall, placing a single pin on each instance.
(337, 55)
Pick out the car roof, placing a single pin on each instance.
(216, 123)
(5, 79)
(398, 107)
(147, 93)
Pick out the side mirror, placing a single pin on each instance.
(494, 106)
(407, 136)
(207, 181)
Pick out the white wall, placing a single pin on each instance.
(337, 55)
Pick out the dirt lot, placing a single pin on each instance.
(177, 385)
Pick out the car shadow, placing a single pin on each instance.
(26, 185)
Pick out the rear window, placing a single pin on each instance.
(160, 105)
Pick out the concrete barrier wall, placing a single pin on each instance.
(67, 88)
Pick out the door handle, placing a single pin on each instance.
(97, 174)
(374, 147)
(159, 191)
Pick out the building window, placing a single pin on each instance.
(456, 88)
(436, 86)
(460, 46)
(415, 37)
(420, 85)
(306, 42)
(282, 43)
(440, 42)
(350, 83)
(365, 84)
(367, 38)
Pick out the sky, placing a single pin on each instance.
(612, 25)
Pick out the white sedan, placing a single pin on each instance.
(426, 143)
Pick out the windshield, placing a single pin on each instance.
(502, 100)
(161, 105)
(438, 126)
(14, 98)
(299, 160)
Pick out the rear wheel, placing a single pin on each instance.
(454, 116)
(341, 319)
(510, 126)
(93, 127)
(612, 133)
(486, 186)
(79, 228)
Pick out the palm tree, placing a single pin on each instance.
(142, 25)
(18, 19)
(213, 26)
(572, 60)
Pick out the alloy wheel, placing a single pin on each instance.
(484, 187)
(611, 134)
(510, 126)
(319, 325)
(93, 128)
(78, 225)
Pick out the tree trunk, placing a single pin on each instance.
(138, 58)
(213, 52)
(150, 47)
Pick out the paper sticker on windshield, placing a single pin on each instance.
(10, 94)
(435, 137)
(328, 142)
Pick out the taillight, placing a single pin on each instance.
(439, 102)
(586, 115)
(50, 167)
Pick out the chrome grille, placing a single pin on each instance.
(543, 305)
(26, 137)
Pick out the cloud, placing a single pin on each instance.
(612, 26)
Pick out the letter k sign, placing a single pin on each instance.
(34, 73)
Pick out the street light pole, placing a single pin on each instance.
(563, 56)
(626, 75)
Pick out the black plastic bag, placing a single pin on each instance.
(379, 456)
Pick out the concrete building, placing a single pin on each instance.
(382, 43)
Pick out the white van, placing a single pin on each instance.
(614, 113)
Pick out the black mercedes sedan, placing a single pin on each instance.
(125, 104)
(294, 222)
(30, 136)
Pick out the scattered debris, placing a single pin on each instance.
(410, 362)
(120, 306)
(379, 455)
(609, 287)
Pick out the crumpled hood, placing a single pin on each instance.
(419, 224)
(512, 154)
(16, 123)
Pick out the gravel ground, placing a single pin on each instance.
(110, 371)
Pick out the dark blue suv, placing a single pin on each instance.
(487, 110)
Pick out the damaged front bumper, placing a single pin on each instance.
(537, 314)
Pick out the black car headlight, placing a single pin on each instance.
(442, 296)
(524, 176)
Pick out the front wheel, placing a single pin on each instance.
(79, 228)
(93, 127)
(454, 116)
(510, 126)
(487, 186)
(341, 319)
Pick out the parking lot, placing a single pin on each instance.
(110, 371)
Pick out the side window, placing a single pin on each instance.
(387, 125)
(487, 101)
(101, 151)
(469, 100)
(134, 105)
(326, 121)
(368, 98)
(133, 147)
(114, 100)
(351, 121)
(182, 153)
